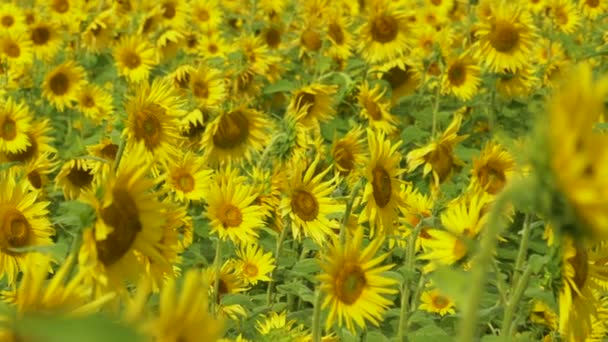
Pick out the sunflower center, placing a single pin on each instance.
(80, 177)
(350, 282)
(132, 60)
(195, 131)
(440, 302)
(457, 74)
(35, 179)
(304, 99)
(185, 182)
(561, 16)
(441, 160)
(344, 157)
(311, 40)
(88, 101)
(25, 155)
(305, 205)
(203, 15)
(272, 37)
(460, 249)
(109, 151)
(436, 2)
(212, 48)
(232, 130)
(397, 77)
(169, 10)
(61, 6)
(12, 50)
(504, 37)
(384, 29)
(7, 21)
(580, 264)
(9, 129)
(592, 3)
(15, 228)
(231, 216)
(200, 89)
(492, 179)
(373, 109)
(40, 35)
(336, 33)
(250, 270)
(122, 215)
(148, 128)
(59, 83)
(381, 186)
(424, 234)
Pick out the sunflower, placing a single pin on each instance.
(128, 227)
(308, 203)
(594, 8)
(207, 15)
(353, 282)
(463, 219)
(232, 211)
(134, 58)
(518, 83)
(401, 75)
(310, 37)
(37, 172)
(462, 78)
(46, 40)
(565, 15)
(174, 14)
(272, 35)
(15, 122)
(62, 85)
(39, 142)
(416, 208)
(493, 169)
(207, 86)
(235, 135)
(67, 12)
(229, 282)
(339, 34)
(375, 108)
(99, 33)
(12, 19)
(506, 38)
(349, 155)
(275, 326)
(438, 155)
(386, 33)
(192, 127)
(168, 45)
(24, 224)
(213, 46)
(187, 178)
(434, 301)
(316, 100)
(253, 264)
(180, 77)
(255, 55)
(382, 192)
(95, 103)
(541, 313)
(105, 150)
(16, 49)
(75, 177)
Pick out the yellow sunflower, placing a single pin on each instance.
(506, 38)
(518, 83)
(339, 34)
(232, 211)
(206, 14)
(253, 264)
(594, 8)
(76, 176)
(461, 78)
(46, 40)
(401, 75)
(386, 33)
(39, 141)
(434, 301)
(134, 58)
(566, 16)
(207, 86)
(375, 108)
(12, 19)
(382, 195)
(174, 13)
(99, 34)
(192, 127)
(16, 49)
(24, 224)
(187, 178)
(37, 172)
(235, 135)
(168, 45)
(67, 12)
(276, 326)
(354, 284)
(15, 122)
(229, 282)
(62, 85)
(493, 169)
(213, 46)
(106, 150)
(95, 103)
(349, 154)
(416, 208)
(308, 202)
(316, 101)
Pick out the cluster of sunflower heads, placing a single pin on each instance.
(262, 170)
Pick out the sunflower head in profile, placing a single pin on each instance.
(493, 169)
(229, 282)
(134, 57)
(435, 302)
(62, 85)
(315, 101)
(349, 154)
(105, 150)
(187, 178)
(75, 177)
(461, 78)
(39, 142)
(15, 122)
(386, 33)
(402, 75)
(24, 223)
(353, 283)
(382, 191)
(253, 265)
(375, 108)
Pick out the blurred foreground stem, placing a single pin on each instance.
(405, 287)
(507, 321)
(217, 264)
(276, 258)
(349, 209)
(316, 318)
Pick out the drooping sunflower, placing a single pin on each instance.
(353, 283)
(316, 101)
(235, 135)
(207, 86)
(95, 103)
(24, 224)
(232, 211)
(39, 141)
(15, 122)
(462, 78)
(128, 227)
(16, 49)
(229, 282)
(506, 38)
(438, 156)
(386, 33)
(76, 176)
(134, 58)
(308, 202)
(253, 264)
(375, 108)
(382, 191)
(401, 75)
(493, 169)
(435, 302)
(187, 178)
(105, 150)
(192, 127)
(46, 40)
(349, 154)
(566, 16)
(62, 85)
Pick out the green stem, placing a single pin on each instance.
(507, 320)
(349, 207)
(316, 318)
(217, 264)
(523, 251)
(405, 287)
(121, 150)
(436, 108)
(276, 263)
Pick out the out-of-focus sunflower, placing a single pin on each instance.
(253, 264)
(62, 85)
(192, 127)
(206, 14)
(462, 78)
(67, 12)
(308, 202)
(36, 172)
(168, 45)
(24, 224)
(382, 191)
(375, 108)
(401, 75)
(493, 169)
(12, 18)
(339, 34)
(232, 211)
(180, 77)
(174, 13)
(213, 46)
(98, 35)
(519, 83)
(105, 150)
(506, 38)
(435, 302)
(134, 58)
(229, 282)
(75, 177)
(207, 86)
(39, 141)
(310, 37)
(566, 16)
(349, 154)
(276, 326)
(386, 33)
(353, 283)
(94, 102)
(594, 8)
(187, 178)
(316, 101)
(46, 40)
(15, 122)
(16, 49)
(235, 135)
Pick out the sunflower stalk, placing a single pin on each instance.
(349, 209)
(316, 318)
(277, 257)
(523, 251)
(217, 264)
(119, 153)
(435, 110)
(405, 287)
(507, 321)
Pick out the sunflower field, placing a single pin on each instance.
(303, 170)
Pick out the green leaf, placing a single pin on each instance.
(429, 332)
(454, 283)
(297, 289)
(280, 86)
(536, 262)
(307, 266)
(236, 298)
